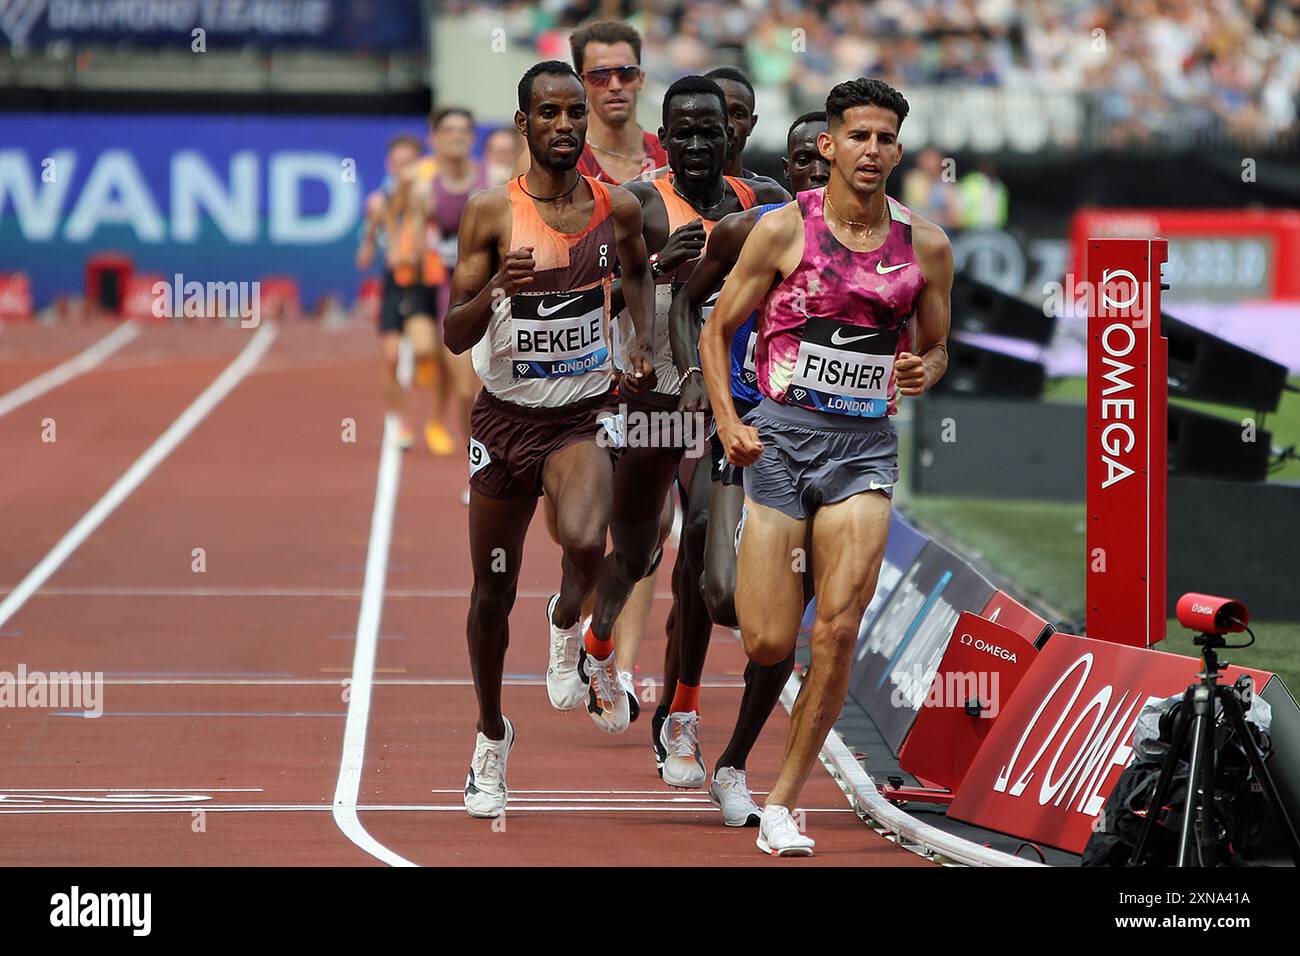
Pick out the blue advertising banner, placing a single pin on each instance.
(350, 24)
(898, 656)
(217, 198)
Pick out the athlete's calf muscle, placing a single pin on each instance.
(769, 583)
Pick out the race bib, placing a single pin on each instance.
(615, 431)
(844, 369)
(750, 371)
(478, 457)
(663, 303)
(706, 309)
(554, 334)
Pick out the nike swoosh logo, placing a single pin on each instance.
(544, 311)
(836, 339)
(886, 270)
(874, 485)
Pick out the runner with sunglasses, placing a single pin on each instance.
(607, 55)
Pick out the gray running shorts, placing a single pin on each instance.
(815, 458)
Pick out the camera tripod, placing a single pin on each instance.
(1198, 702)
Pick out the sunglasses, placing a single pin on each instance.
(601, 75)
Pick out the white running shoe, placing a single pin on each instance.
(485, 787)
(680, 736)
(778, 836)
(729, 792)
(628, 683)
(563, 684)
(606, 699)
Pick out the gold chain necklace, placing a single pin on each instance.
(853, 222)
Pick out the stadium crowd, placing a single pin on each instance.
(1151, 67)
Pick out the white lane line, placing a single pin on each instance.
(144, 465)
(281, 592)
(384, 808)
(363, 659)
(338, 682)
(666, 794)
(131, 790)
(65, 372)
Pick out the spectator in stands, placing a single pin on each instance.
(983, 199)
(1154, 68)
(501, 150)
(930, 189)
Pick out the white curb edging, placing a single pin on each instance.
(922, 838)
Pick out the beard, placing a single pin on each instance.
(542, 156)
(557, 164)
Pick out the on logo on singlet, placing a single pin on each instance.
(554, 334)
(843, 369)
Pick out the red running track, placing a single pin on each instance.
(228, 672)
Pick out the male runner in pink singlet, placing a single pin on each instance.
(853, 292)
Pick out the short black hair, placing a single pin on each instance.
(815, 116)
(436, 118)
(864, 92)
(733, 74)
(549, 67)
(694, 84)
(603, 31)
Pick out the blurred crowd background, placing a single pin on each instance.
(1151, 68)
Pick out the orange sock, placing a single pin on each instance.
(686, 699)
(596, 647)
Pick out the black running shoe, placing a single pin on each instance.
(656, 725)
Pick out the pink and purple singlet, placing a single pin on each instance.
(828, 334)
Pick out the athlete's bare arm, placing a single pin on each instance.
(420, 202)
(773, 250)
(374, 215)
(683, 245)
(684, 316)
(481, 277)
(638, 289)
(398, 203)
(915, 372)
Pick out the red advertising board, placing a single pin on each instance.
(15, 296)
(142, 303)
(1064, 737)
(1005, 610)
(1215, 255)
(984, 662)
(1127, 442)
